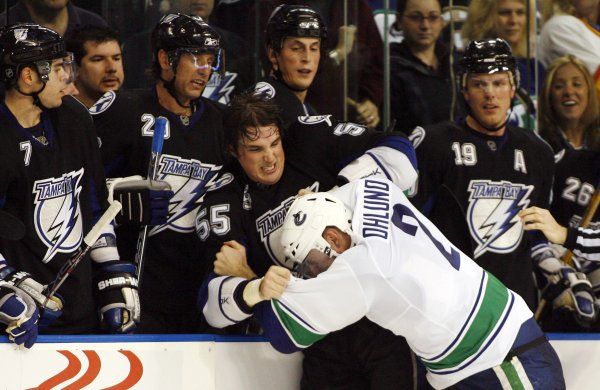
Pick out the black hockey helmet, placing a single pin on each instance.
(177, 33)
(29, 44)
(294, 21)
(489, 56)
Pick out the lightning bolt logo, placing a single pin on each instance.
(190, 180)
(57, 213)
(492, 214)
(220, 88)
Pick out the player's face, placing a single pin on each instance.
(569, 93)
(101, 69)
(298, 61)
(422, 22)
(193, 73)
(262, 158)
(510, 21)
(56, 87)
(489, 96)
(314, 263)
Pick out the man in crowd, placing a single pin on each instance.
(52, 181)
(58, 15)
(99, 61)
(186, 52)
(365, 250)
(248, 212)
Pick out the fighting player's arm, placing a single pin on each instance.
(228, 300)
(310, 309)
(115, 284)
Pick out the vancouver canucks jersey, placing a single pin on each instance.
(191, 158)
(404, 275)
(57, 190)
(491, 179)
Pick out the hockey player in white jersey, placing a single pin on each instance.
(366, 251)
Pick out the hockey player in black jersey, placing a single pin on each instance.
(51, 180)
(294, 38)
(186, 52)
(248, 212)
(492, 170)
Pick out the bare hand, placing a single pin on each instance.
(304, 191)
(231, 261)
(535, 218)
(274, 282)
(367, 111)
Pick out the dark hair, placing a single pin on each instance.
(89, 33)
(401, 6)
(245, 114)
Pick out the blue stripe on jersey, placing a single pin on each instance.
(489, 342)
(387, 174)
(274, 330)
(400, 144)
(467, 321)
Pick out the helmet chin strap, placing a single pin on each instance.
(170, 87)
(35, 95)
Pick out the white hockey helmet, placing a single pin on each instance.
(307, 218)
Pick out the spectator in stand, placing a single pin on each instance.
(421, 85)
(569, 113)
(571, 27)
(58, 15)
(100, 64)
(507, 19)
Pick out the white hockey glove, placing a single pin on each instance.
(568, 290)
(20, 314)
(144, 202)
(51, 308)
(117, 296)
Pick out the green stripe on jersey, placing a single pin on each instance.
(301, 335)
(494, 302)
(512, 375)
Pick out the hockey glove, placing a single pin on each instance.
(144, 202)
(568, 290)
(51, 308)
(20, 314)
(117, 295)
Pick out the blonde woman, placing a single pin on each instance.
(569, 113)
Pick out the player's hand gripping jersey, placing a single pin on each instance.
(404, 275)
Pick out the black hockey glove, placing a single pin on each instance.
(144, 202)
(51, 308)
(19, 313)
(116, 290)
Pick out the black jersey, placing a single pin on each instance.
(575, 180)
(291, 107)
(492, 179)
(191, 158)
(57, 191)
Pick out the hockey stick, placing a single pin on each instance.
(157, 144)
(88, 241)
(590, 211)
(10, 227)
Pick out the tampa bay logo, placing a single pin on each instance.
(492, 214)
(94, 364)
(57, 215)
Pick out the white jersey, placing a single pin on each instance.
(404, 275)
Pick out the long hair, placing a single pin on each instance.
(590, 119)
(482, 24)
